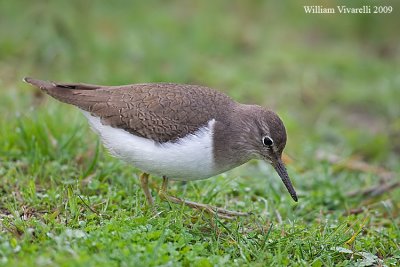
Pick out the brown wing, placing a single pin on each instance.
(158, 111)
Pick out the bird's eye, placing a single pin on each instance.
(267, 141)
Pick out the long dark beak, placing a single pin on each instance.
(281, 170)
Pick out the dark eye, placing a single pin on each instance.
(267, 141)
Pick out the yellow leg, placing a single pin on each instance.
(144, 183)
(223, 213)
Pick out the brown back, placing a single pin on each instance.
(158, 111)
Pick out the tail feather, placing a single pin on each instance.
(46, 85)
(39, 83)
(77, 94)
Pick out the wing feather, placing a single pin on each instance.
(159, 111)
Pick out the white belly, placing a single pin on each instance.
(189, 158)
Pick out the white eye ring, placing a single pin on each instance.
(267, 141)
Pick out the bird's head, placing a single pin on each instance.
(269, 140)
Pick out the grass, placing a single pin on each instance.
(333, 79)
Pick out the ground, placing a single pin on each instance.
(333, 79)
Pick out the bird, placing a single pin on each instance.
(177, 131)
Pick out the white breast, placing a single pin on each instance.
(189, 158)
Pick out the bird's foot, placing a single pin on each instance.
(144, 183)
(220, 212)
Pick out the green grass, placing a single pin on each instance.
(334, 80)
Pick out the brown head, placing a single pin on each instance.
(265, 136)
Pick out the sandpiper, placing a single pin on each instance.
(177, 131)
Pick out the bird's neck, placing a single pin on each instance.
(232, 139)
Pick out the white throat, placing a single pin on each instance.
(188, 158)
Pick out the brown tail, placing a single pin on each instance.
(47, 85)
(40, 84)
(77, 94)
